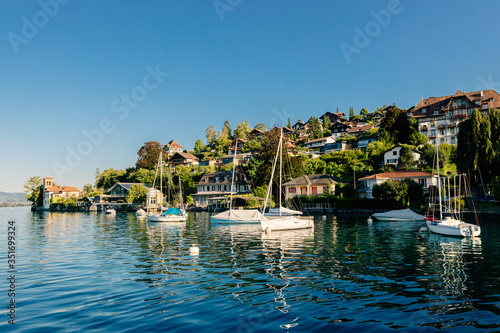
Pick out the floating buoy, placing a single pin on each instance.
(323, 217)
(268, 230)
(369, 220)
(423, 229)
(194, 250)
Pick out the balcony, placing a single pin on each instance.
(452, 125)
(423, 128)
(441, 127)
(460, 115)
(432, 136)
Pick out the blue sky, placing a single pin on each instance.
(68, 66)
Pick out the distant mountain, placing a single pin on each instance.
(12, 197)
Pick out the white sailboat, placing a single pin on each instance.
(449, 223)
(281, 222)
(236, 215)
(171, 214)
(398, 215)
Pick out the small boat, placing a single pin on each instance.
(170, 215)
(449, 222)
(398, 215)
(281, 221)
(140, 213)
(110, 211)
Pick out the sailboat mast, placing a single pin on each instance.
(280, 149)
(232, 177)
(161, 176)
(439, 181)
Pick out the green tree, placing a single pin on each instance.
(144, 176)
(397, 123)
(261, 127)
(90, 191)
(137, 194)
(364, 113)
(375, 152)
(109, 177)
(405, 161)
(33, 189)
(212, 136)
(417, 139)
(351, 113)
(315, 130)
(242, 130)
(226, 129)
(199, 146)
(327, 123)
(289, 124)
(148, 155)
(314, 166)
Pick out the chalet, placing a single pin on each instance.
(299, 125)
(218, 184)
(236, 143)
(117, 193)
(359, 130)
(173, 147)
(340, 127)
(184, 159)
(319, 143)
(440, 116)
(392, 155)
(241, 158)
(210, 163)
(334, 117)
(365, 185)
(310, 185)
(256, 133)
(50, 191)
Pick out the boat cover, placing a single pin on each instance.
(239, 214)
(173, 211)
(399, 214)
(284, 211)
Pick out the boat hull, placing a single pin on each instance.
(461, 229)
(166, 218)
(286, 223)
(237, 217)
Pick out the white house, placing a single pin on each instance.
(392, 155)
(50, 190)
(365, 185)
(319, 143)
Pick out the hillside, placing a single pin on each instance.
(11, 197)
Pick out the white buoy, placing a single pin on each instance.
(369, 220)
(323, 217)
(267, 231)
(194, 250)
(423, 229)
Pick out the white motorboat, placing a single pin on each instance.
(281, 221)
(140, 213)
(110, 211)
(399, 215)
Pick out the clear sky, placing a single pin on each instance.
(85, 83)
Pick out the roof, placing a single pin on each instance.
(126, 186)
(173, 144)
(476, 98)
(256, 131)
(313, 180)
(400, 174)
(61, 189)
(184, 156)
(359, 129)
(320, 139)
(48, 178)
(212, 178)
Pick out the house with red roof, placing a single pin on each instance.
(365, 184)
(51, 190)
(173, 147)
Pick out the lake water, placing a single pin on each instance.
(82, 272)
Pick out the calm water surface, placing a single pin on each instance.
(82, 272)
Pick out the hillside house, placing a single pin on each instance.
(218, 184)
(52, 191)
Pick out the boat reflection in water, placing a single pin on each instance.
(451, 260)
(281, 250)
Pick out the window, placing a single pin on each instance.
(292, 190)
(314, 190)
(424, 110)
(452, 130)
(433, 132)
(453, 140)
(394, 152)
(436, 112)
(433, 124)
(485, 106)
(441, 140)
(422, 182)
